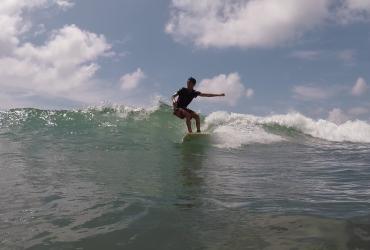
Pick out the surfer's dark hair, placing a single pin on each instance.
(192, 80)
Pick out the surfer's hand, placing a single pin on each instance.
(223, 94)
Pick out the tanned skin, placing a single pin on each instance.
(182, 113)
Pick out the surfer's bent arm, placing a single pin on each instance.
(174, 101)
(211, 95)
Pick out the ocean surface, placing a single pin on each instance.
(121, 178)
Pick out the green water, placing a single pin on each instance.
(120, 178)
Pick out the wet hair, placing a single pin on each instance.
(192, 80)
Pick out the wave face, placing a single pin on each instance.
(229, 130)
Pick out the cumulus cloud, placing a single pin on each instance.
(358, 4)
(63, 64)
(338, 116)
(132, 80)
(359, 7)
(230, 84)
(307, 92)
(314, 92)
(12, 23)
(66, 47)
(65, 3)
(257, 23)
(249, 93)
(244, 23)
(360, 87)
(354, 10)
(63, 67)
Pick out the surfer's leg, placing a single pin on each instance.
(197, 120)
(182, 113)
(188, 124)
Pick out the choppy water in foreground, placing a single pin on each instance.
(121, 178)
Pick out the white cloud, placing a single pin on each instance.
(230, 84)
(359, 5)
(360, 87)
(64, 63)
(249, 93)
(314, 92)
(65, 3)
(12, 23)
(257, 23)
(63, 67)
(306, 54)
(132, 80)
(67, 47)
(338, 116)
(310, 92)
(353, 10)
(40, 29)
(243, 23)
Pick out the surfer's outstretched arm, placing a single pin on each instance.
(211, 95)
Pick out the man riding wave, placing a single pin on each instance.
(185, 96)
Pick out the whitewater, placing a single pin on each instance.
(119, 177)
(231, 129)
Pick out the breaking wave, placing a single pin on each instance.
(238, 129)
(228, 130)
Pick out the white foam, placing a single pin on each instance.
(234, 130)
(351, 131)
(125, 111)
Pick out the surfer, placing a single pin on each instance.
(185, 96)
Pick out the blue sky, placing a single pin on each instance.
(268, 56)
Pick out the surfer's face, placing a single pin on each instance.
(190, 85)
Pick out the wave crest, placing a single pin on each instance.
(240, 129)
(229, 130)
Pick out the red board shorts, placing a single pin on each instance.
(180, 115)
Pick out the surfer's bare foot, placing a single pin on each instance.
(199, 131)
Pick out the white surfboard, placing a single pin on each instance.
(195, 136)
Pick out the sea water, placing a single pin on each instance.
(121, 178)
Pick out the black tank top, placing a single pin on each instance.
(185, 97)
